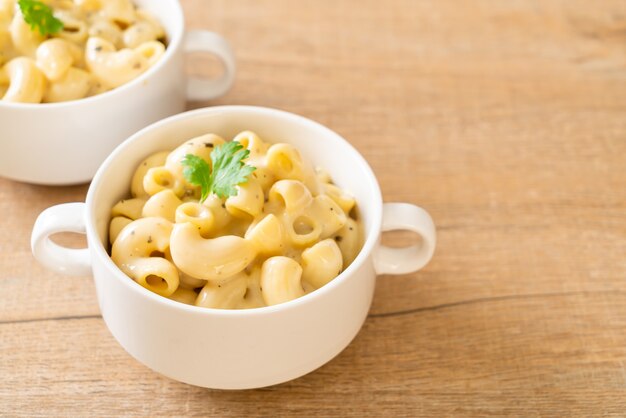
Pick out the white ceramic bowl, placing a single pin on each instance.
(235, 349)
(64, 143)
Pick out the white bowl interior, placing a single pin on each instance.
(169, 14)
(322, 146)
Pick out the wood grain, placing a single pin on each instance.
(505, 120)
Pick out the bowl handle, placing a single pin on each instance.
(407, 217)
(68, 217)
(212, 43)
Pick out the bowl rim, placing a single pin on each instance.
(170, 49)
(97, 248)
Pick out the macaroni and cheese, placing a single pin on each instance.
(102, 45)
(286, 232)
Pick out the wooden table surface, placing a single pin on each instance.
(506, 120)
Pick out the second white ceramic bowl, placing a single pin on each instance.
(235, 349)
(65, 143)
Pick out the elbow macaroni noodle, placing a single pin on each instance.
(103, 45)
(288, 231)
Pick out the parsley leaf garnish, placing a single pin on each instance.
(39, 16)
(198, 172)
(228, 171)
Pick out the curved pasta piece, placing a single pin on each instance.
(138, 33)
(253, 298)
(144, 15)
(4, 82)
(280, 280)
(154, 160)
(6, 10)
(228, 294)
(130, 208)
(26, 83)
(263, 176)
(189, 282)
(116, 225)
(285, 161)
(6, 46)
(323, 176)
(236, 226)
(161, 178)
(328, 214)
(74, 29)
(108, 30)
(25, 41)
(251, 141)
(184, 280)
(88, 5)
(248, 202)
(184, 295)
(221, 216)
(113, 68)
(257, 158)
(97, 88)
(163, 204)
(152, 51)
(321, 263)
(209, 259)
(349, 241)
(306, 219)
(73, 85)
(267, 235)
(345, 201)
(200, 146)
(293, 195)
(302, 230)
(60, 4)
(133, 252)
(119, 11)
(197, 214)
